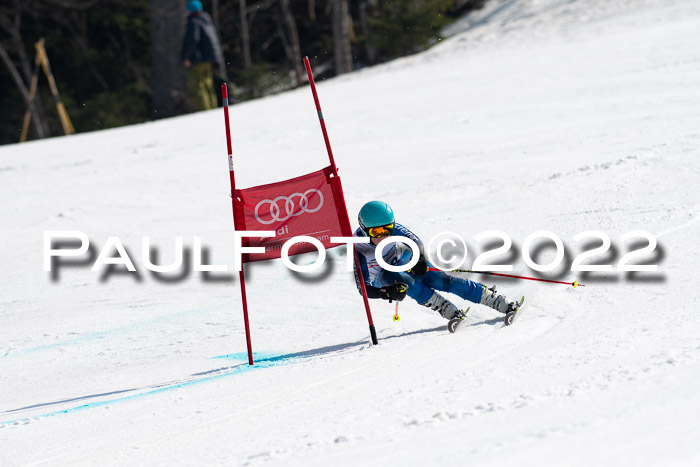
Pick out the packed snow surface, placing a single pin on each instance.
(558, 115)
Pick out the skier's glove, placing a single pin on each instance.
(420, 269)
(394, 292)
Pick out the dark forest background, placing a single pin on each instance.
(117, 62)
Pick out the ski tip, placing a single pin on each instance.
(508, 320)
(511, 315)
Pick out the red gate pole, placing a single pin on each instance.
(372, 331)
(320, 114)
(241, 275)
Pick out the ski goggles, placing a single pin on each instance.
(376, 232)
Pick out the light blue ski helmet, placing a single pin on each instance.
(375, 214)
(194, 6)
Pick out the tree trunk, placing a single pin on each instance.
(13, 29)
(312, 10)
(168, 76)
(295, 53)
(364, 28)
(38, 127)
(215, 17)
(245, 35)
(342, 52)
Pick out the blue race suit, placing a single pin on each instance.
(420, 288)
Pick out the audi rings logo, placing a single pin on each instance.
(291, 207)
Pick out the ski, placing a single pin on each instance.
(509, 319)
(454, 323)
(514, 314)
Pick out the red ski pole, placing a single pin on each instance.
(574, 283)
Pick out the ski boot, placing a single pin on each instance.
(501, 304)
(447, 309)
(443, 306)
(493, 300)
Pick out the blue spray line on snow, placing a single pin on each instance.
(100, 334)
(258, 357)
(267, 361)
(262, 360)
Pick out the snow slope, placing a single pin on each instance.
(560, 115)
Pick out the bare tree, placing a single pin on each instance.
(342, 52)
(365, 8)
(215, 15)
(168, 77)
(312, 10)
(10, 22)
(292, 43)
(81, 40)
(245, 35)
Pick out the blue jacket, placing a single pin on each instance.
(394, 254)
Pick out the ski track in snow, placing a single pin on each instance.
(564, 115)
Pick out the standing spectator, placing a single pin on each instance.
(201, 54)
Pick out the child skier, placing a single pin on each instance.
(376, 220)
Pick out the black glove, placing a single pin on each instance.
(421, 267)
(394, 292)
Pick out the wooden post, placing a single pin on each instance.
(30, 108)
(43, 60)
(62, 114)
